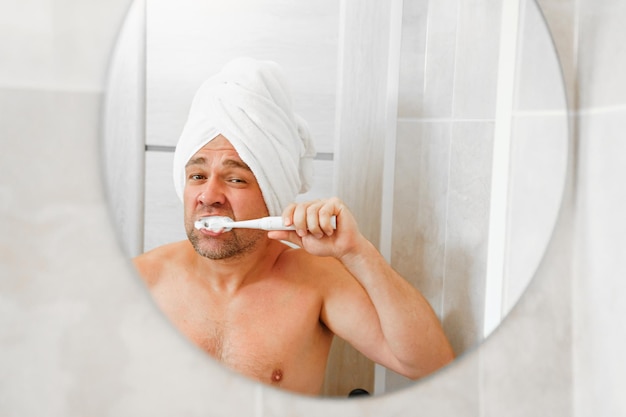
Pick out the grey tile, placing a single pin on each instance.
(601, 250)
(539, 80)
(538, 174)
(163, 212)
(412, 58)
(477, 51)
(58, 49)
(420, 206)
(526, 363)
(601, 57)
(467, 233)
(561, 18)
(439, 77)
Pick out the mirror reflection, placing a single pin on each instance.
(441, 128)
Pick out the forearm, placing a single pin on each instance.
(411, 330)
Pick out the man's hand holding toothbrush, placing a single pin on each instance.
(314, 229)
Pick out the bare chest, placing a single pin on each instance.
(272, 336)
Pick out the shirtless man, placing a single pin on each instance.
(269, 310)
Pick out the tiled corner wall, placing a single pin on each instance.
(445, 132)
(447, 123)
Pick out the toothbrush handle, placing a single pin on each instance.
(276, 223)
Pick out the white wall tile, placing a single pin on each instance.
(163, 209)
(362, 112)
(420, 206)
(601, 250)
(57, 44)
(412, 57)
(439, 74)
(476, 66)
(601, 60)
(29, 127)
(538, 172)
(323, 181)
(420, 209)
(540, 84)
(526, 363)
(561, 19)
(123, 131)
(302, 39)
(467, 232)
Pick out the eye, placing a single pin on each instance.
(236, 181)
(196, 177)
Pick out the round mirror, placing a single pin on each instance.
(443, 125)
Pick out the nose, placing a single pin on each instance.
(212, 193)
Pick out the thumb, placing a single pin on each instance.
(287, 235)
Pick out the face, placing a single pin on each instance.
(219, 183)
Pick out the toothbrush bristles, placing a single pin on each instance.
(214, 223)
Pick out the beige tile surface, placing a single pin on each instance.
(600, 254)
(443, 50)
(476, 63)
(601, 56)
(466, 232)
(538, 174)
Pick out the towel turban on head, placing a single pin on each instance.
(249, 104)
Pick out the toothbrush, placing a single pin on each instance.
(217, 223)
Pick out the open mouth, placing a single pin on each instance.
(216, 224)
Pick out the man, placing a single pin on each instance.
(262, 307)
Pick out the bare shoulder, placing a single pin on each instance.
(156, 263)
(341, 294)
(325, 273)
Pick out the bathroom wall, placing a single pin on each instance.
(80, 336)
(599, 289)
(448, 135)
(446, 120)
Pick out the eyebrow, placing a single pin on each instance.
(229, 163)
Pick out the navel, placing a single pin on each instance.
(277, 376)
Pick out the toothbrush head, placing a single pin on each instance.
(214, 223)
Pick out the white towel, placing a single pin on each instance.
(249, 103)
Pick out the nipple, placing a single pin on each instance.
(277, 375)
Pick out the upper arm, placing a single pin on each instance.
(350, 314)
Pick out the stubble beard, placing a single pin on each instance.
(234, 246)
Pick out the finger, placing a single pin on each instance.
(325, 218)
(288, 214)
(313, 220)
(289, 236)
(300, 220)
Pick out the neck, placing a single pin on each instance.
(230, 274)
